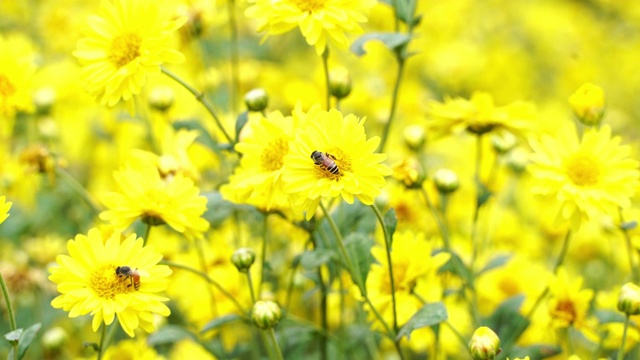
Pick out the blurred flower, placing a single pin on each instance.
(88, 283)
(174, 155)
(629, 300)
(341, 141)
(16, 72)
(588, 104)
(585, 177)
(408, 172)
(484, 344)
(569, 303)
(123, 45)
(131, 349)
(4, 208)
(144, 194)
(479, 115)
(319, 21)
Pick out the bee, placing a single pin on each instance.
(131, 274)
(326, 160)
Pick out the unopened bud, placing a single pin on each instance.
(414, 137)
(161, 98)
(484, 344)
(339, 83)
(243, 258)
(517, 160)
(43, 99)
(629, 300)
(409, 174)
(256, 100)
(266, 314)
(588, 104)
(54, 338)
(446, 181)
(503, 142)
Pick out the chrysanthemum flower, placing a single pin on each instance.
(4, 208)
(320, 21)
(569, 303)
(16, 72)
(258, 179)
(343, 142)
(479, 115)
(88, 282)
(144, 195)
(123, 45)
(585, 177)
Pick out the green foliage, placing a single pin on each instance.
(428, 315)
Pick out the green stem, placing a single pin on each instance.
(325, 65)
(208, 279)
(624, 338)
(235, 77)
(205, 270)
(323, 315)
(103, 341)
(263, 255)
(274, 340)
(11, 313)
(146, 234)
(75, 185)
(567, 333)
(201, 98)
(387, 243)
(394, 101)
(476, 212)
(439, 221)
(627, 238)
(253, 294)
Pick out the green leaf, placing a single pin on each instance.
(391, 40)
(405, 10)
(390, 222)
(428, 315)
(609, 316)
(169, 334)
(13, 335)
(241, 121)
(494, 263)
(629, 225)
(27, 338)
(537, 351)
(203, 138)
(222, 320)
(456, 266)
(359, 249)
(506, 320)
(92, 345)
(310, 260)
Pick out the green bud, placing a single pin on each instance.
(43, 99)
(484, 344)
(54, 338)
(629, 300)
(161, 98)
(256, 100)
(588, 104)
(414, 137)
(503, 142)
(339, 83)
(243, 258)
(266, 314)
(446, 181)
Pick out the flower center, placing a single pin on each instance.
(124, 49)
(6, 87)
(106, 284)
(342, 160)
(309, 5)
(566, 310)
(272, 155)
(583, 170)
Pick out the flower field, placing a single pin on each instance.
(319, 179)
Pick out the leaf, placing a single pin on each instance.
(629, 225)
(609, 316)
(494, 263)
(203, 138)
(390, 222)
(222, 320)
(13, 335)
(428, 315)
(391, 40)
(537, 351)
(405, 10)
(92, 345)
(506, 320)
(456, 266)
(241, 121)
(169, 334)
(27, 338)
(310, 260)
(359, 249)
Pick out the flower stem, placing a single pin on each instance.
(627, 238)
(263, 255)
(253, 294)
(235, 77)
(103, 341)
(274, 340)
(12, 315)
(201, 98)
(145, 239)
(387, 243)
(394, 101)
(439, 220)
(624, 338)
(75, 185)
(325, 65)
(323, 312)
(476, 212)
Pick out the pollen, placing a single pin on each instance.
(583, 170)
(273, 154)
(6, 87)
(106, 284)
(124, 49)
(566, 310)
(309, 5)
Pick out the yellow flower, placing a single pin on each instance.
(16, 73)
(479, 115)
(144, 195)
(340, 141)
(123, 45)
(585, 177)
(174, 158)
(588, 103)
(569, 303)
(320, 21)
(131, 349)
(88, 282)
(4, 208)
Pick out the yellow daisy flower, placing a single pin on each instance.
(144, 194)
(320, 21)
(132, 349)
(123, 45)
(585, 177)
(4, 208)
(258, 179)
(16, 72)
(569, 303)
(89, 280)
(479, 115)
(332, 157)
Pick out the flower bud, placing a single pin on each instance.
(266, 314)
(588, 105)
(517, 160)
(243, 258)
(503, 142)
(161, 98)
(629, 300)
(43, 99)
(446, 181)
(408, 173)
(339, 83)
(414, 137)
(484, 344)
(54, 338)
(256, 100)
